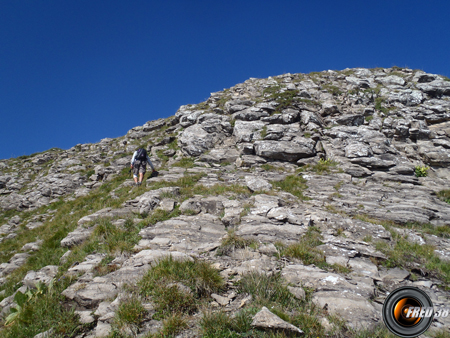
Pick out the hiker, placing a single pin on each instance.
(139, 164)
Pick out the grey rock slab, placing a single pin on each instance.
(65, 257)
(34, 225)
(89, 263)
(232, 216)
(396, 275)
(90, 294)
(435, 88)
(285, 214)
(338, 246)
(265, 319)
(85, 317)
(268, 249)
(391, 80)
(356, 310)
(410, 235)
(195, 140)
(358, 149)
(103, 213)
(373, 162)
(33, 246)
(14, 263)
(250, 114)
(298, 293)
(186, 233)
(102, 329)
(257, 184)
(220, 156)
(46, 334)
(167, 204)
(329, 108)
(263, 204)
(190, 205)
(220, 299)
(351, 120)
(210, 205)
(145, 202)
(104, 308)
(285, 150)
(76, 237)
(270, 233)
(363, 268)
(246, 131)
(321, 280)
(44, 275)
(340, 260)
(357, 82)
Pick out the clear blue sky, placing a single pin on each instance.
(77, 71)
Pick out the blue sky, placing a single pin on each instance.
(78, 71)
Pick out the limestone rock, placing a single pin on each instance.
(265, 319)
(257, 184)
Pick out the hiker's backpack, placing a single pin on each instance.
(141, 154)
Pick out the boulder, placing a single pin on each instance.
(265, 319)
(285, 150)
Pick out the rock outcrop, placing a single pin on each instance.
(338, 182)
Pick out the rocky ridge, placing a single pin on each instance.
(352, 165)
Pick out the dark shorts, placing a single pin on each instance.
(139, 167)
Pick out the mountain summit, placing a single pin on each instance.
(292, 205)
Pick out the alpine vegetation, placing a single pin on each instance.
(286, 206)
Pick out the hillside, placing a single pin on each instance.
(314, 195)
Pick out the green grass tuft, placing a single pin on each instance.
(444, 195)
(130, 314)
(268, 290)
(232, 242)
(294, 184)
(161, 280)
(306, 250)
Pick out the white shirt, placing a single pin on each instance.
(133, 159)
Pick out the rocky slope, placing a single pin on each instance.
(338, 182)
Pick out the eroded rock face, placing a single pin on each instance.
(338, 161)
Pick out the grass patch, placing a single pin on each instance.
(264, 132)
(246, 209)
(306, 250)
(268, 290)
(105, 266)
(162, 283)
(444, 195)
(285, 99)
(130, 315)
(160, 215)
(424, 228)
(336, 91)
(54, 230)
(185, 162)
(44, 312)
(221, 325)
(112, 239)
(173, 325)
(294, 184)
(270, 167)
(232, 242)
(323, 166)
(404, 253)
(221, 189)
